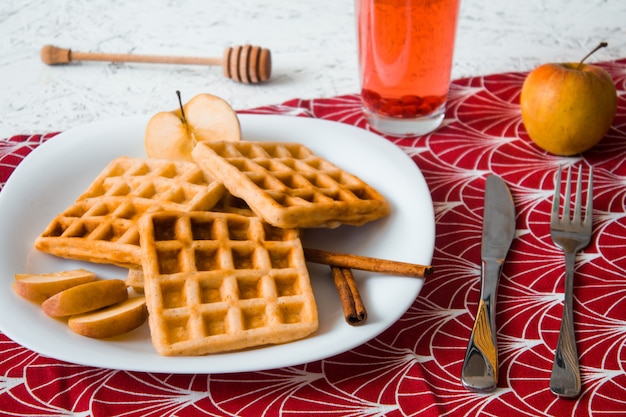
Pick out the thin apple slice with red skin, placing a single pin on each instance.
(86, 297)
(111, 321)
(40, 287)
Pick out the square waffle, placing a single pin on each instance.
(102, 224)
(218, 282)
(288, 186)
(227, 204)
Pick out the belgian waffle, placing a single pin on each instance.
(102, 224)
(218, 282)
(288, 186)
(227, 204)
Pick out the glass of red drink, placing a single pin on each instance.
(405, 50)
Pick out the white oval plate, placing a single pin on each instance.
(58, 171)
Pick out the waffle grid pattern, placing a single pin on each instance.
(102, 225)
(221, 281)
(288, 186)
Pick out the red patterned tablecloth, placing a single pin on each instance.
(413, 368)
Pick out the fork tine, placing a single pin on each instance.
(568, 197)
(579, 192)
(589, 206)
(556, 200)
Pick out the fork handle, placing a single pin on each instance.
(565, 378)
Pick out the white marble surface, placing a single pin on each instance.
(312, 44)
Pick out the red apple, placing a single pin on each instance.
(568, 108)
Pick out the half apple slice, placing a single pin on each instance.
(174, 134)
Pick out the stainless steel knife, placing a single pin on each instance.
(480, 367)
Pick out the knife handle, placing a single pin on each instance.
(480, 367)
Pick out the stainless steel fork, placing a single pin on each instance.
(571, 234)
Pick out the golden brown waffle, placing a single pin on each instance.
(134, 279)
(231, 204)
(218, 282)
(288, 186)
(101, 226)
(227, 204)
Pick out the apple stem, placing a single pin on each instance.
(180, 103)
(601, 45)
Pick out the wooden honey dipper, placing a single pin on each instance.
(247, 64)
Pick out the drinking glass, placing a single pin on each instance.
(405, 50)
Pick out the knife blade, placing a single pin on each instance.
(480, 366)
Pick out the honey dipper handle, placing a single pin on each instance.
(53, 55)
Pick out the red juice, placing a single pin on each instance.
(405, 55)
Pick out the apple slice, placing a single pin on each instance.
(111, 321)
(167, 137)
(173, 134)
(40, 287)
(86, 297)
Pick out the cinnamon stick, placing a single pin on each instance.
(351, 303)
(364, 263)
